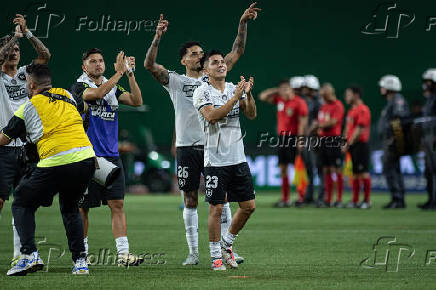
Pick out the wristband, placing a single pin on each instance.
(28, 34)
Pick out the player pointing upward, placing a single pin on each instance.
(189, 136)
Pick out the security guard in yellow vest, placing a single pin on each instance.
(51, 121)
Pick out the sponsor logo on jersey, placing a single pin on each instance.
(102, 112)
(189, 89)
(16, 92)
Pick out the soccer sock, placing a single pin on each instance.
(367, 188)
(85, 241)
(356, 189)
(228, 240)
(328, 183)
(215, 250)
(339, 186)
(122, 245)
(183, 196)
(285, 188)
(190, 216)
(226, 218)
(17, 243)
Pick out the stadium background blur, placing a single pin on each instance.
(289, 38)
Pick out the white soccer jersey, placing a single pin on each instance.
(181, 88)
(223, 140)
(13, 93)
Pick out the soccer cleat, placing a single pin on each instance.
(80, 267)
(365, 205)
(217, 265)
(338, 204)
(229, 257)
(192, 259)
(299, 203)
(129, 260)
(22, 267)
(238, 259)
(351, 205)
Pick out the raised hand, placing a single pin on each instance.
(120, 63)
(19, 20)
(250, 13)
(130, 63)
(248, 85)
(18, 32)
(240, 88)
(162, 26)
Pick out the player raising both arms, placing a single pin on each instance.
(102, 97)
(189, 136)
(226, 171)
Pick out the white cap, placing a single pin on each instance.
(390, 82)
(311, 82)
(430, 74)
(296, 82)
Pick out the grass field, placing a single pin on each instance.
(304, 248)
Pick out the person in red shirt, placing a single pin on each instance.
(291, 122)
(357, 134)
(329, 125)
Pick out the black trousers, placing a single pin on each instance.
(38, 189)
(393, 175)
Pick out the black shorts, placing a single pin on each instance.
(11, 169)
(70, 181)
(97, 194)
(360, 157)
(235, 180)
(190, 166)
(330, 153)
(286, 149)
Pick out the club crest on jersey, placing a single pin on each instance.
(22, 76)
(289, 111)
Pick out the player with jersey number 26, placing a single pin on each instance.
(225, 168)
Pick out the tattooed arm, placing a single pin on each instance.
(241, 39)
(159, 72)
(4, 50)
(42, 51)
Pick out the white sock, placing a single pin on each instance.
(215, 250)
(190, 216)
(228, 239)
(183, 196)
(17, 242)
(122, 245)
(226, 218)
(85, 241)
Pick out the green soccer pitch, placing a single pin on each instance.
(294, 248)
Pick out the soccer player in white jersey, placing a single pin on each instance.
(189, 137)
(227, 174)
(13, 94)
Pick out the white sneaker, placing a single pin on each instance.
(36, 262)
(81, 267)
(192, 259)
(21, 267)
(229, 257)
(217, 265)
(129, 260)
